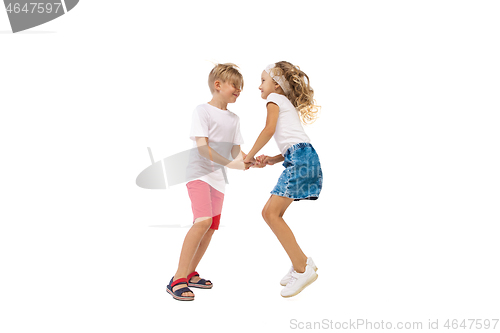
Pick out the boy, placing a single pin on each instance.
(216, 133)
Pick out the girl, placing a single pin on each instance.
(289, 101)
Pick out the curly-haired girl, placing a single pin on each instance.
(289, 102)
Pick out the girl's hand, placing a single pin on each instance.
(264, 160)
(259, 163)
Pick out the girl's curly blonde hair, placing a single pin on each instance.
(301, 94)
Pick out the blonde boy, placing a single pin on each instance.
(215, 131)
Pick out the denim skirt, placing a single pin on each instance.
(302, 178)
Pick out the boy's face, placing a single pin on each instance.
(268, 85)
(228, 92)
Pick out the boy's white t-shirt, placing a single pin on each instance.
(289, 129)
(222, 128)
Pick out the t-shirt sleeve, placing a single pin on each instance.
(238, 139)
(274, 98)
(199, 123)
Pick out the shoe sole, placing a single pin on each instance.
(180, 298)
(284, 285)
(303, 287)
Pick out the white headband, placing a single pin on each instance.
(280, 79)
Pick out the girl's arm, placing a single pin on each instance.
(277, 158)
(267, 133)
(264, 160)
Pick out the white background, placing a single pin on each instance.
(406, 228)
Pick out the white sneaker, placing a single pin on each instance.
(298, 281)
(288, 275)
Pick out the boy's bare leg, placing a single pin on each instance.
(199, 254)
(273, 214)
(190, 247)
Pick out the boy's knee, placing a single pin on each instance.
(209, 233)
(203, 222)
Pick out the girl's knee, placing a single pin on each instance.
(266, 214)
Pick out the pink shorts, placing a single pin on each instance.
(205, 201)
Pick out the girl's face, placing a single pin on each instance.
(229, 92)
(268, 85)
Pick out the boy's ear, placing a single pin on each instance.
(217, 85)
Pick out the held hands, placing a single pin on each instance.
(239, 164)
(249, 161)
(264, 160)
(244, 162)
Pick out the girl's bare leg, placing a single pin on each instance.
(273, 214)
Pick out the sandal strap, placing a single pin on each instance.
(201, 282)
(178, 281)
(180, 291)
(195, 273)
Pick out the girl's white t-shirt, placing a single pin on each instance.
(222, 128)
(289, 129)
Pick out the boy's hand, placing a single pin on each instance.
(248, 165)
(238, 164)
(249, 159)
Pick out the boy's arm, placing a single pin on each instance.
(267, 133)
(206, 151)
(235, 151)
(238, 154)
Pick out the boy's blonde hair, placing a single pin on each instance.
(301, 94)
(225, 73)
